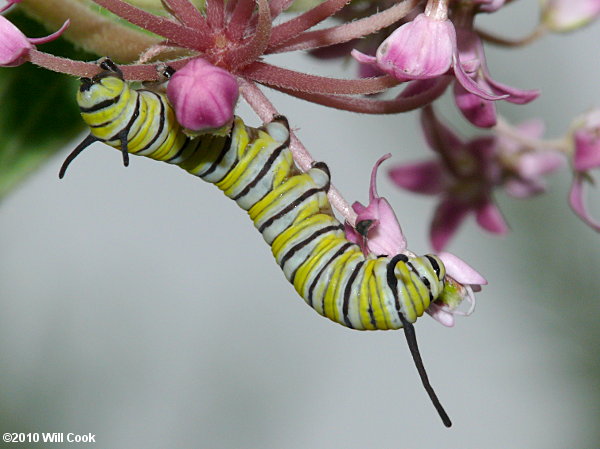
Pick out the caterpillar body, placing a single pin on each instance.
(255, 168)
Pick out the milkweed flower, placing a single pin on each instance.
(461, 281)
(567, 15)
(378, 232)
(419, 49)
(203, 96)
(463, 176)
(478, 109)
(15, 46)
(586, 157)
(432, 46)
(377, 228)
(489, 5)
(525, 158)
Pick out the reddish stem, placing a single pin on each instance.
(256, 46)
(265, 110)
(289, 79)
(239, 19)
(347, 31)
(135, 72)
(291, 28)
(372, 106)
(215, 14)
(175, 32)
(187, 14)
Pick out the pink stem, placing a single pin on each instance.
(239, 19)
(134, 72)
(347, 31)
(291, 28)
(369, 105)
(182, 35)
(289, 79)
(215, 14)
(62, 65)
(266, 111)
(51, 37)
(256, 46)
(538, 32)
(187, 14)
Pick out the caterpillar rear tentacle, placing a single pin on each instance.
(255, 168)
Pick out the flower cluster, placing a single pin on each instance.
(215, 54)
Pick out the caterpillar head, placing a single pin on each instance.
(459, 284)
(108, 85)
(94, 95)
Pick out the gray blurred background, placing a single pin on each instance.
(142, 306)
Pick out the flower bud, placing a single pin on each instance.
(419, 49)
(203, 96)
(567, 15)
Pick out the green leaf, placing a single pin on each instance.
(38, 111)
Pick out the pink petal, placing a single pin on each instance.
(461, 271)
(353, 235)
(441, 314)
(533, 165)
(490, 218)
(479, 112)
(448, 216)
(587, 149)
(521, 188)
(515, 96)
(532, 128)
(363, 58)
(386, 238)
(576, 201)
(421, 177)
(373, 186)
(567, 15)
(419, 49)
(51, 37)
(467, 82)
(14, 45)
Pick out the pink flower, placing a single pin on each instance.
(203, 96)
(464, 177)
(567, 15)
(481, 111)
(490, 5)
(430, 47)
(586, 139)
(460, 283)
(15, 46)
(377, 229)
(378, 232)
(525, 158)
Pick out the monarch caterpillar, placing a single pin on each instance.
(255, 168)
